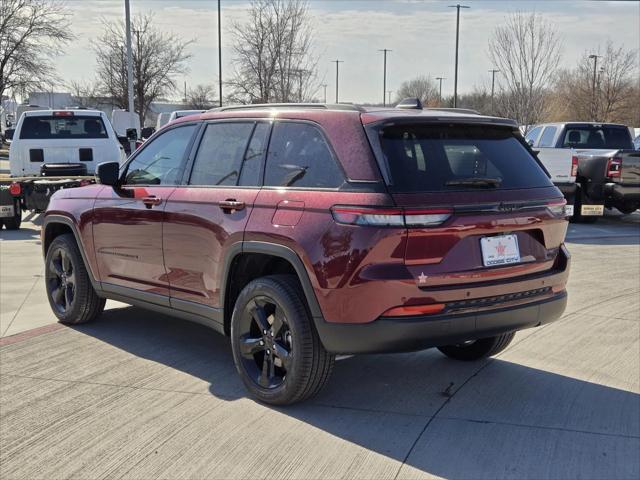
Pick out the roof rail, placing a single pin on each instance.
(284, 106)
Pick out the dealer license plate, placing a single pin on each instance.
(6, 211)
(592, 210)
(500, 250)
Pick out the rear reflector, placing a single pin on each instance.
(86, 155)
(64, 113)
(390, 217)
(15, 189)
(414, 310)
(36, 155)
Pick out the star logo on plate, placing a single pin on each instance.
(422, 278)
(501, 249)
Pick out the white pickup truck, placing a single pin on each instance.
(567, 150)
(51, 150)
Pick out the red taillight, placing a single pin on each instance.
(614, 167)
(64, 113)
(574, 166)
(557, 208)
(414, 310)
(390, 217)
(15, 189)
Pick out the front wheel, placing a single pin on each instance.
(276, 348)
(477, 349)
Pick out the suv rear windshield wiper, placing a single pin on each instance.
(475, 182)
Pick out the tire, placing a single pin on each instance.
(297, 366)
(69, 290)
(477, 349)
(14, 222)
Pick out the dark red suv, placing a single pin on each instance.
(305, 231)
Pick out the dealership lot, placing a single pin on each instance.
(141, 395)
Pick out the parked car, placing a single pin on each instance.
(303, 232)
(163, 119)
(52, 150)
(577, 156)
(636, 143)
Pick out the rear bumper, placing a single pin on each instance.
(420, 332)
(622, 193)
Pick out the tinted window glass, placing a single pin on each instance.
(592, 136)
(532, 136)
(50, 127)
(300, 157)
(426, 158)
(252, 165)
(161, 161)
(219, 157)
(547, 137)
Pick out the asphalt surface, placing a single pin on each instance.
(141, 395)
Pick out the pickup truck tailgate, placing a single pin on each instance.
(630, 173)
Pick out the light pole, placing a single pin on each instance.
(593, 100)
(384, 76)
(219, 54)
(455, 79)
(493, 72)
(324, 86)
(440, 90)
(389, 96)
(337, 62)
(127, 16)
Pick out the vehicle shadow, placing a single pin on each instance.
(612, 229)
(29, 230)
(499, 424)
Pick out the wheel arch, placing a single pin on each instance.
(264, 259)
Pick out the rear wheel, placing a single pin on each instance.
(69, 290)
(276, 349)
(477, 349)
(13, 223)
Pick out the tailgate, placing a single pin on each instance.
(630, 172)
(558, 162)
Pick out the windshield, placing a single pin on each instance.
(63, 127)
(597, 136)
(428, 158)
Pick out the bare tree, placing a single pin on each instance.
(32, 32)
(422, 87)
(274, 61)
(478, 99)
(202, 97)
(527, 50)
(84, 94)
(158, 57)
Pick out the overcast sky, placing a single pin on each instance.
(421, 34)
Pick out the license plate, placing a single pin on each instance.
(592, 210)
(568, 210)
(501, 250)
(6, 211)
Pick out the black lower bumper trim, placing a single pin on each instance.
(418, 333)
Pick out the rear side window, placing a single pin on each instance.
(597, 136)
(431, 158)
(299, 156)
(532, 136)
(161, 161)
(62, 127)
(547, 137)
(221, 153)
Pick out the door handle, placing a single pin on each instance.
(151, 201)
(229, 205)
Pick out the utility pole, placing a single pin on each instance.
(219, 54)
(337, 62)
(493, 84)
(127, 15)
(389, 96)
(455, 79)
(440, 90)
(593, 100)
(384, 76)
(185, 91)
(324, 85)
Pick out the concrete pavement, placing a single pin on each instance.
(141, 395)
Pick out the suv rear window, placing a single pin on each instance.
(50, 127)
(431, 158)
(597, 136)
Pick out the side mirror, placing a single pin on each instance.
(8, 133)
(132, 134)
(108, 173)
(147, 132)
